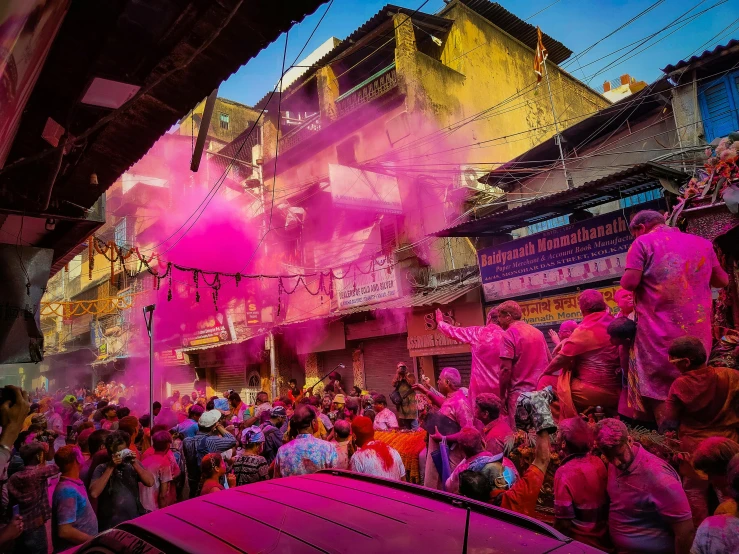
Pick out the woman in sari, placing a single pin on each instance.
(590, 364)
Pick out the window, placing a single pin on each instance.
(719, 101)
(122, 234)
(225, 120)
(640, 198)
(548, 224)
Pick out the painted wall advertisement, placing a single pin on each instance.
(591, 250)
(379, 284)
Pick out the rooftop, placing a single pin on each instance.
(636, 179)
(730, 48)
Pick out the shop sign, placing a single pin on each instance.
(379, 284)
(213, 330)
(591, 250)
(424, 339)
(556, 309)
(171, 357)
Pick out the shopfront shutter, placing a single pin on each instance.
(230, 377)
(181, 378)
(381, 357)
(330, 359)
(462, 362)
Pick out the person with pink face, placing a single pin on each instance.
(671, 274)
(524, 355)
(625, 302)
(485, 343)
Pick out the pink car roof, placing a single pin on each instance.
(337, 512)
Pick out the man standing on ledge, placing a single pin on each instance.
(671, 274)
(485, 343)
(523, 356)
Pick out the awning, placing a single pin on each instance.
(636, 179)
(256, 333)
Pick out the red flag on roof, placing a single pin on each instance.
(540, 57)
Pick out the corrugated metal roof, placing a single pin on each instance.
(517, 28)
(633, 180)
(340, 512)
(721, 50)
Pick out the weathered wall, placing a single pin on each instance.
(636, 143)
(687, 113)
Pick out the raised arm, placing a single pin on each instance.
(467, 335)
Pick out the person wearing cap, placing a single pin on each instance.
(385, 419)
(304, 454)
(273, 434)
(189, 427)
(338, 408)
(211, 437)
(334, 383)
(251, 466)
(374, 457)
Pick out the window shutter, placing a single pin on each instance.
(718, 107)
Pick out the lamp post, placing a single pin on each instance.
(150, 330)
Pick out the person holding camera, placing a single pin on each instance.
(404, 398)
(115, 485)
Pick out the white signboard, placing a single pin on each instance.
(364, 190)
(378, 285)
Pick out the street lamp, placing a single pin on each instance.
(149, 329)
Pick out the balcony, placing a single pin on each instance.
(381, 84)
(297, 135)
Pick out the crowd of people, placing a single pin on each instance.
(80, 462)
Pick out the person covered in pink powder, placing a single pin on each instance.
(719, 534)
(580, 497)
(485, 343)
(523, 357)
(671, 274)
(649, 511)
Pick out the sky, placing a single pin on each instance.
(575, 23)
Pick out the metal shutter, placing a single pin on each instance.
(229, 377)
(381, 357)
(462, 362)
(181, 378)
(330, 359)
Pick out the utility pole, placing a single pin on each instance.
(557, 136)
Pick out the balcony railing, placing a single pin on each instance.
(380, 84)
(298, 135)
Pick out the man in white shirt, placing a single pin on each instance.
(385, 420)
(374, 457)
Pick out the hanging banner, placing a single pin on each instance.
(364, 190)
(591, 250)
(215, 329)
(171, 357)
(378, 285)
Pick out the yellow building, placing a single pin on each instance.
(229, 119)
(375, 149)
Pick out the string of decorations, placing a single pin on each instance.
(99, 306)
(213, 279)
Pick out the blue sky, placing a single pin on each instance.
(575, 23)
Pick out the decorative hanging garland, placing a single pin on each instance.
(113, 253)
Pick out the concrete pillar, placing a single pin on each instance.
(328, 92)
(358, 367)
(405, 38)
(269, 136)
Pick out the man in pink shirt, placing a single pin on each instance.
(523, 357)
(580, 497)
(671, 274)
(485, 344)
(649, 512)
